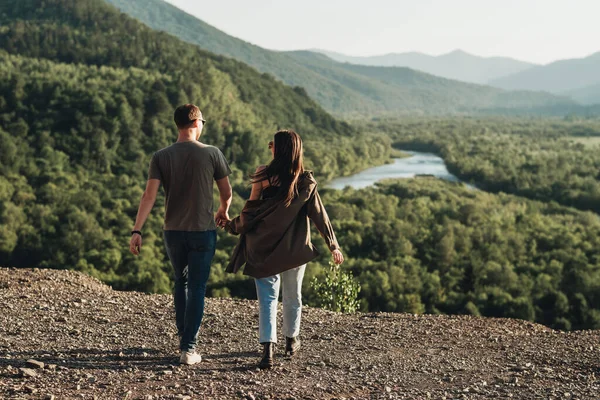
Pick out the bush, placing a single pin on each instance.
(338, 292)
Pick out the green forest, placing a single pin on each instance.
(541, 159)
(79, 123)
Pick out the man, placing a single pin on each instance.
(186, 170)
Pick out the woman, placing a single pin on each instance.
(275, 239)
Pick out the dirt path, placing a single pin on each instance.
(95, 342)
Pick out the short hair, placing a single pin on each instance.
(186, 114)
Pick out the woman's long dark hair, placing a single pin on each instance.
(286, 167)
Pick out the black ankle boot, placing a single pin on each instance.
(292, 345)
(267, 358)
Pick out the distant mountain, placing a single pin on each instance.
(457, 65)
(586, 95)
(398, 87)
(339, 88)
(557, 77)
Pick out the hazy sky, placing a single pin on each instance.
(531, 30)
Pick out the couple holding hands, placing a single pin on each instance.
(273, 227)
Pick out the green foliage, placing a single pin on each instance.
(87, 96)
(338, 291)
(549, 160)
(425, 245)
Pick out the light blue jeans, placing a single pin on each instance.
(267, 290)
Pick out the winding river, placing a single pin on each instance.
(417, 164)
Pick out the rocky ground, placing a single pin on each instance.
(64, 335)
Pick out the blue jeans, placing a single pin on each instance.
(267, 290)
(191, 254)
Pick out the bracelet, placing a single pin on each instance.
(134, 232)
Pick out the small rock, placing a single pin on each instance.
(388, 389)
(35, 364)
(51, 367)
(28, 372)
(49, 397)
(30, 389)
(250, 396)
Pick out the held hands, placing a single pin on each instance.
(135, 244)
(222, 217)
(338, 257)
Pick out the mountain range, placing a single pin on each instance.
(578, 78)
(341, 88)
(458, 65)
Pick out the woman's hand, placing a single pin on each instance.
(222, 217)
(338, 257)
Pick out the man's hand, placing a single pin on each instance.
(225, 195)
(222, 217)
(338, 257)
(135, 244)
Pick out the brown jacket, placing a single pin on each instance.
(275, 238)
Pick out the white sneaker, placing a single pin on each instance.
(189, 358)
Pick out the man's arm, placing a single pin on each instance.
(225, 195)
(146, 204)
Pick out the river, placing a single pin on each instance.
(417, 164)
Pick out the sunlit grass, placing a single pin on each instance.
(587, 141)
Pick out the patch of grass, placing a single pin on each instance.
(587, 141)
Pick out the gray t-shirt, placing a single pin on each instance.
(186, 171)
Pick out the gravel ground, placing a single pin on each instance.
(64, 335)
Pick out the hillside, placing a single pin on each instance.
(98, 35)
(87, 96)
(586, 95)
(95, 341)
(558, 77)
(399, 86)
(457, 65)
(338, 89)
